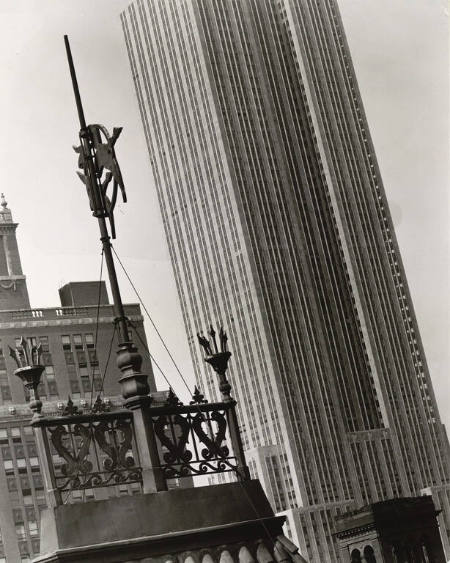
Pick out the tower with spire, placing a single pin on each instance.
(13, 285)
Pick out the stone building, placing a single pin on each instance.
(75, 355)
(393, 531)
(278, 226)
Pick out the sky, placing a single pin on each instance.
(399, 49)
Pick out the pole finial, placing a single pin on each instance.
(217, 358)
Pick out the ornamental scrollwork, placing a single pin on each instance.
(182, 436)
(173, 433)
(120, 434)
(213, 445)
(96, 453)
(76, 461)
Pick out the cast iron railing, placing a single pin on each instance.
(194, 439)
(98, 449)
(147, 444)
(90, 451)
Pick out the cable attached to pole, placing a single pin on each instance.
(96, 325)
(149, 355)
(108, 358)
(151, 320)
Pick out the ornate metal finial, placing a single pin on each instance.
(101, 406)
(212, 334)
(25, 354)
(3, 202)
(204, 343)
(172, 400)
(197, 398)
(218, 359)
(29, 370)
(70, 409)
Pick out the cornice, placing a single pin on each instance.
(355, 531)
(64, 322)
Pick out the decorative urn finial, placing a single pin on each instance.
(29, 370)
(218, 358)
(3, 201)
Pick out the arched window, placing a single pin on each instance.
(356, 556)
(369, 554)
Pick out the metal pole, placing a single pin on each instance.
(135, 388)
(92, 182)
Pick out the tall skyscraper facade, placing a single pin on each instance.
(278, 227)
(78, 343)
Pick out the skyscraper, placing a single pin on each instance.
(77, 339)
(278, 227)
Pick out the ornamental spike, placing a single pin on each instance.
(212, 334)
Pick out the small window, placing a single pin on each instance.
(20, 530)
(89, 339)
(70, 360)
(46, 359)
(30, 512)
(74, 386)
(12, 484)
(93, 358)
(38, 481)
(15, 433)
(81, 357)
(77, 341)
(86, 384)
(66, 343)
(6, 393)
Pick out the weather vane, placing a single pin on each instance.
(97, 159)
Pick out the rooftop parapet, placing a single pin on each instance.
(133, 311)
